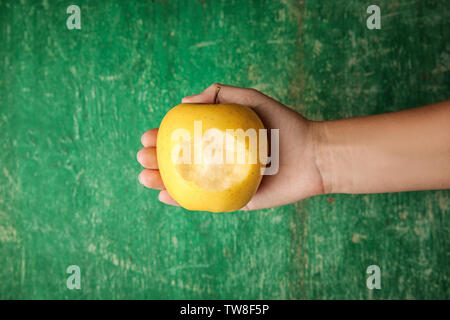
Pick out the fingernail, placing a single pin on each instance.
(140, 179)
(186, 99)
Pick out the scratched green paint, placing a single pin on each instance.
(73, 105)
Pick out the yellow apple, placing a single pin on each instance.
(211, 156)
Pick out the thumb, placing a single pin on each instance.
(198, 98)
(229, 94)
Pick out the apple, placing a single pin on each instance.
(211, 157)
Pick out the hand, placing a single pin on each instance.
(298, 176)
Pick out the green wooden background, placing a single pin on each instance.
(73, 104)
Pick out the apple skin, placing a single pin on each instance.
(213, 189)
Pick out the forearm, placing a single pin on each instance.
(400, 151)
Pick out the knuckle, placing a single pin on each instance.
(254, 92)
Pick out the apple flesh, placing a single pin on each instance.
(208, 157)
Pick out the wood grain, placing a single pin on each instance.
(73, 104)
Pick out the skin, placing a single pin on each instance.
(400, 151)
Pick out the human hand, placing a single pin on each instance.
(298, 176)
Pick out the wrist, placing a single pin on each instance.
(323, 156)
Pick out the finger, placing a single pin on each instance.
(147, 158)
(165, 197)
(229, 94)
(148, 139)
(252, 205)
(206, 96)
(197, 98)
(151, 179)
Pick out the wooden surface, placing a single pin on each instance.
(73, 104)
